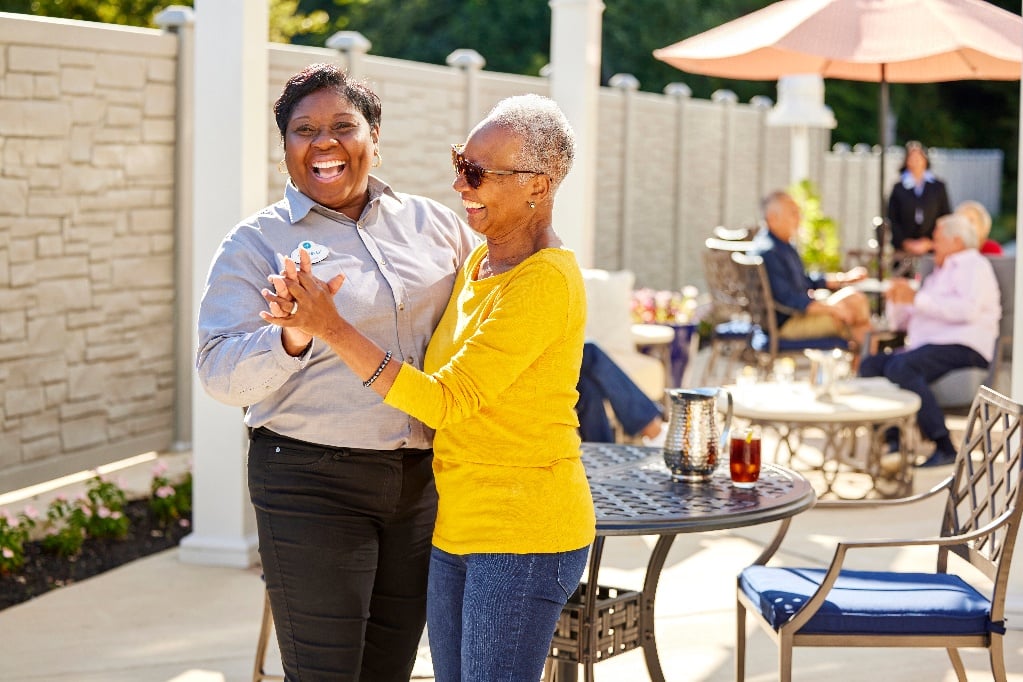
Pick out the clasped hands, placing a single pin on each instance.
(301, 303)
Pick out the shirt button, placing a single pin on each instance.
(403, 444)
(401, 306)
(410, 360)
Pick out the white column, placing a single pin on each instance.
(353, 46)
(575, 86)
(471, 63)
(684, 242)
(180, 21)
(627, 84)
(1016, 390)
(727, 99)
(229, 182)
(1014, 595)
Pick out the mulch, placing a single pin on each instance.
(44, 571)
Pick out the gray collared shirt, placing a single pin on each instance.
(399, 260)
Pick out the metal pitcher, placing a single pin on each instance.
(826, 368)
(692, 445)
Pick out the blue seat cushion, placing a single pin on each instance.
(871, 602)
(734, 330)
(761, 342)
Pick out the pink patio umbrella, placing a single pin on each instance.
(882, 41)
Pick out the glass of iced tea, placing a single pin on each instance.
(744, 457)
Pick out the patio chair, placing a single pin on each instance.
(957, 388)
(837, 607)
(731, 330)
(266, 628)
(765, 341)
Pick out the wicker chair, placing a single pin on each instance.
(837, 607)
(731, 329)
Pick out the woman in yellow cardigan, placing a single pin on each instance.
(515, 517)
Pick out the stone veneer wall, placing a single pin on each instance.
(86, 245)
(88, 360)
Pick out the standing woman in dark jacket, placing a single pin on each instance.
(917, 201)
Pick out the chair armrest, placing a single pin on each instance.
(818, 598)
(941, 487)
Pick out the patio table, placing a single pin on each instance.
(851, 422)
(633, 494)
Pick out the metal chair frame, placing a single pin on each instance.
(762, 308)
(980, 525)
(266, 628)
(728, 303)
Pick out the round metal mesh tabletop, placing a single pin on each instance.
(633, 494)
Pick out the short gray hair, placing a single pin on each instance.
(548, 141)
(978, 215)
(958, 225)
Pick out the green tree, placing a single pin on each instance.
(514, 37)
(286, 21)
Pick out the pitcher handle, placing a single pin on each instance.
(728, 421)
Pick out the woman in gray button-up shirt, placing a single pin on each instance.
(341, 483)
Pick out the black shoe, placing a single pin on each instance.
(937, 459)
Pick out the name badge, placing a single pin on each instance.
(317, 252)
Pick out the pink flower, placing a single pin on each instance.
(8, 553)
(11, 521)
(103, 513)
(31, 512)
(160, 468)
(164, 491)
(116, 515)
(184, 523)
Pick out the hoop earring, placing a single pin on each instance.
(282, 168)
(532, 204)
(377, 159)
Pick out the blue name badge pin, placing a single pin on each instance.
(317, 252)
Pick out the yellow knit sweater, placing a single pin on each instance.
(500, 388)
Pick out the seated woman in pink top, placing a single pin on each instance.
(951, 322)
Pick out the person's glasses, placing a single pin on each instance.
(474, 172)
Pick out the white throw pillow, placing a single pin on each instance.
(608, 315)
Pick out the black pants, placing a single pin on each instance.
(344, 539)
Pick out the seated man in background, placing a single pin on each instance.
(601, 379)
(951, 322)
(845, 312)
(981, 220)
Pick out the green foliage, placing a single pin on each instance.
(65, 528)
(169, 501)
(14, 533)
(105, 509)
(286, 22)
(514, 37)
(818, 234)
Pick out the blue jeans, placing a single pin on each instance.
(491, 617)
(915, 369)
(601, 379)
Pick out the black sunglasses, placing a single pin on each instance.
(474, 172)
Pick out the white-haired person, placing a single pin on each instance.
(515, 518)
(951, 322)
(981, 220)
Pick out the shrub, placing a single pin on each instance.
(169, 502)
(14, 531)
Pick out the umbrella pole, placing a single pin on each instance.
(882, 122)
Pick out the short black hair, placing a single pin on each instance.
(325, 76)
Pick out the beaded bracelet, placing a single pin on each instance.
(369, 382)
